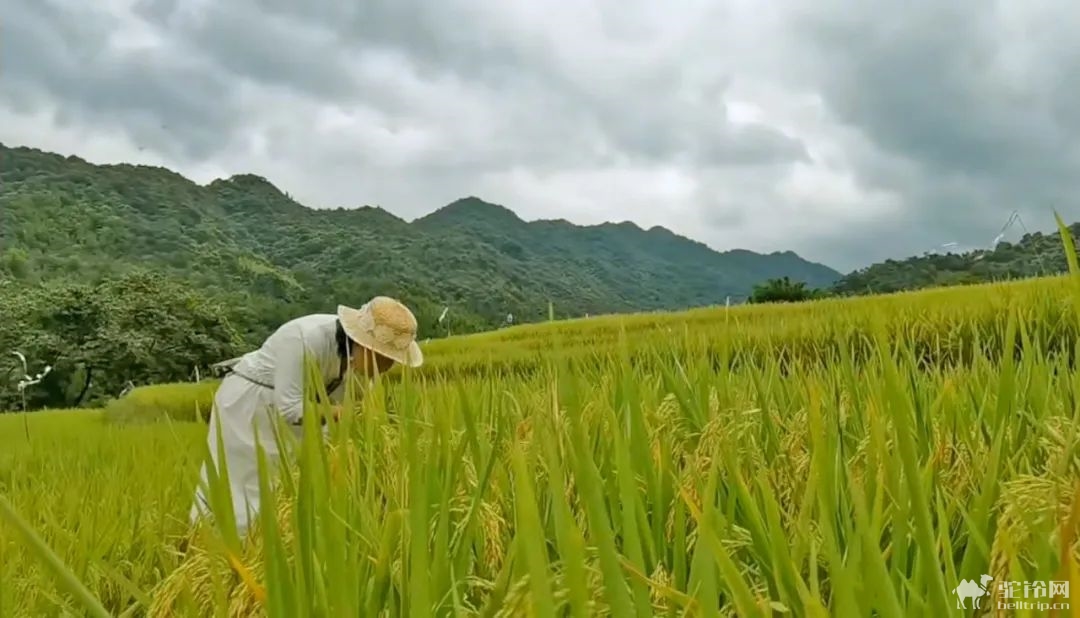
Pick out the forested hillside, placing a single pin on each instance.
(1035, 254)
(70, 229)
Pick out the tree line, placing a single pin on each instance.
(137, 328)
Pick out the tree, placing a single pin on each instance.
(783, 290)
(15, 262)
(140, 327)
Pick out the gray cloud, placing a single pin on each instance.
(64, 58)
(848, 133)
(926, 80)
(644, 111)
(964, 103)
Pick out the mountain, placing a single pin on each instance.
(635, 268)
(250, 245)
(1035, 254)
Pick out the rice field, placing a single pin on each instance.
(836, 458)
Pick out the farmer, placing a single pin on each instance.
(270, 380)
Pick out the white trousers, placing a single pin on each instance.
(241, 406)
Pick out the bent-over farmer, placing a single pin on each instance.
(270, 380)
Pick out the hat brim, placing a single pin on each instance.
(412, 358)
(415, 356)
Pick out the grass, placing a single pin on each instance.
(178, 402)
(110, 500)
(846, 458)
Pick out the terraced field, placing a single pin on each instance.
(844, 457)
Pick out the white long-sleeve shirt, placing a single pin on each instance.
(279, 362)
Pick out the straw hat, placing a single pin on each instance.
(384, 326)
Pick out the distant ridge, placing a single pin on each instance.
(244, 239)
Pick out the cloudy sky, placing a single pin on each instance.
(846, 131)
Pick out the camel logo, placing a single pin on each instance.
(971, 588)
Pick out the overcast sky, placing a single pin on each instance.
(846, 131)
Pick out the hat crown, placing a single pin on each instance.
(387, 312)
(388, 322)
